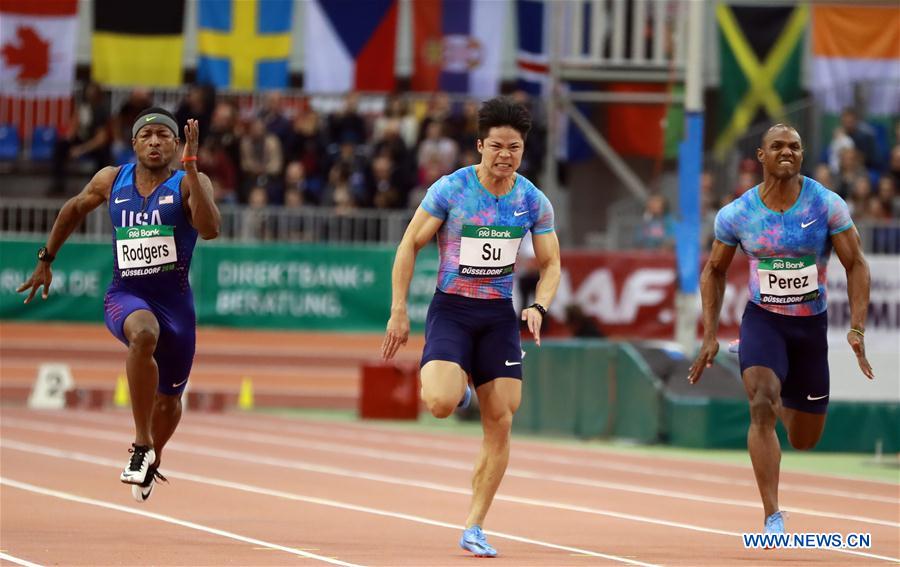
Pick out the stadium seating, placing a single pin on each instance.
(43, 139)
(9, 143)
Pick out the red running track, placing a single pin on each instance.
(250, 489)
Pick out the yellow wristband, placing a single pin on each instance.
(857, 331)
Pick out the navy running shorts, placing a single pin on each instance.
(481, 335)
(795, 349)
(174, 353)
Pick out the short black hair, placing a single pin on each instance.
(157, 110)
(503, 111)
(779, 126)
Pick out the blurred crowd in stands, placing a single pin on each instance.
(289, 154)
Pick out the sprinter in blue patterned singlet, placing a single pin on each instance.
(787, 226)
(479, 215)
(157, 214)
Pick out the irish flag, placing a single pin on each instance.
(853, 44)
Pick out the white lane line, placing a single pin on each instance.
(168, 519)
(94, 460)
(18, 561)
(324, 469)
(590, 458)
(39, 449)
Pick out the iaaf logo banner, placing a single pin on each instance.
(633, 294)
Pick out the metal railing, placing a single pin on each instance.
(35, 217)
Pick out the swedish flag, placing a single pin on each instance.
(244, 44)
(760, 61)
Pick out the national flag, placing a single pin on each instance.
(350, 45)
(760, 59)
(458, 45)
(532, 60)
(853, 44)
(138, 45)
(37, 62)
(644, 129)
(244, 44)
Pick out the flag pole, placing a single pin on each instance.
(690, 163)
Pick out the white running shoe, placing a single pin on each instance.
(141, 492)
(138, 466)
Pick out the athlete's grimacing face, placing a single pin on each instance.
(501, 151)
(782, 153)
(155, 146)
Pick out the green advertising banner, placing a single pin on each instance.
(276, 286)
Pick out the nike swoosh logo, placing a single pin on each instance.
(806, 224)
(122, 200)
(813, 399)
(508, 363)
(180, 383)
(519, 213)
(149, 118)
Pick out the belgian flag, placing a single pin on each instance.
(761, 57)
(138, 45)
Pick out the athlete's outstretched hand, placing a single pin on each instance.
(534, 319)
(704, 360)
(42, 276)
(191, 139)
(859, 347)
(396, 335)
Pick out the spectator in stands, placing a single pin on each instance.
(822, 174)
(197, 104)
(224, 135)
(295, 180)
(261, 161)
(138, 101)
(887, 194)
(463, 127)
(860, 195)
(347, 125)
(863, 136)
(439, 110)
(430, 173)
(398, 119)
(294, 224)
(308, 146)
(272, 115)
(840, 141)
(214, 160)
(338, 193)
(437, 147)
(354, 158)
(894, 168)
(383, 184)
(657, 229)
(87, 136)
(851, 168)
(256, 223)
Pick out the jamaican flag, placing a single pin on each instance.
(761, 56)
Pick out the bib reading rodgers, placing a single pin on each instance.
(145, 250)
(786, 281)
(489, 251)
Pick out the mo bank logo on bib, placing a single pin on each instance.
(778, 264)
(484, 232)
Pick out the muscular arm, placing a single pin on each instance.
(420, 231)
(546, 252)
(204, 214)
(849, 251)
(94, 194)
(712, 292)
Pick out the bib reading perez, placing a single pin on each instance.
(479, 240)
(788, 251)
(154, 241)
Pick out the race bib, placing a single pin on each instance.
(145, 250)
(786, 281)
(489, 251)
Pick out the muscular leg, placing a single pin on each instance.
(142, 331)
(498, 399)
(804, 428)
(764, 392)
(443, 385)
(164, 419)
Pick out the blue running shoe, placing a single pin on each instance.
(775, 523)
(473, 540)
(466, 399)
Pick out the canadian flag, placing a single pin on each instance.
(37, 62)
